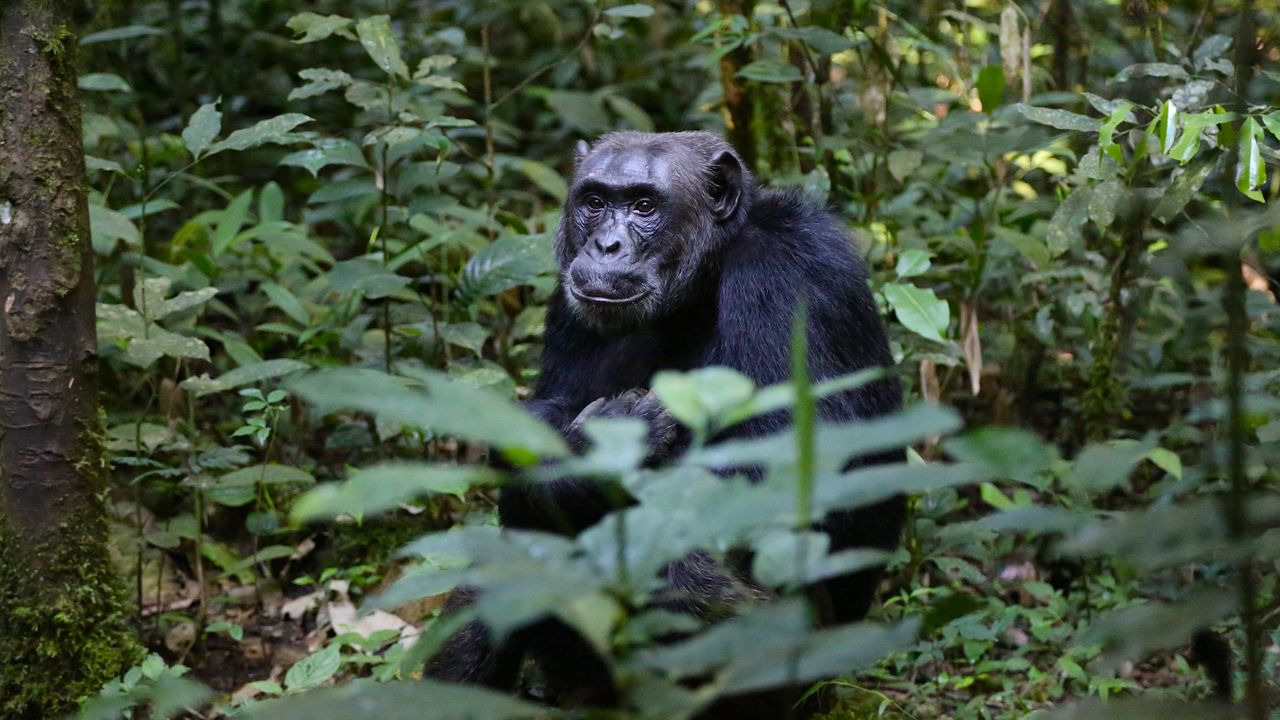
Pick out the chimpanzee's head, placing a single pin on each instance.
(646, 214)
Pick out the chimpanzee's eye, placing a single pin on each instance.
(644, 206)
(595, 203)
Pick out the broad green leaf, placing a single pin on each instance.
(313, 670)
(328, 151)
(990, 87)
(913, 262)
(183, 301)
(1068, 221)
(103, 82)
(1181, 190)
(698, 397)
(158, 343)
(1061, 119)
(1139, 70)
(1271, 121)
(243, 375)
(509, 261)
(822, 40)
(311, 27)
(266, 474)
(1102, 466)
(204, 126)
(1251, 171)
(771, 71)
(378, 489)
(1167, 126)
(471, 336)
(435, 402)
(368, 700)
(108, 226)
(276, 130)
(1011, 453)
(1032, 249)
(635, 10)
(919, 310)
(288, 303)
(1134, 633)
(230, 220)
(1108, 129)
(319, 82)
(1166, 460)
(545, 178)
(381, 44)
(126, 32)
(904, 162)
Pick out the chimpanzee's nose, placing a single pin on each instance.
(608, 243)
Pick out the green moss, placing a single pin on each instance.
(63, 632)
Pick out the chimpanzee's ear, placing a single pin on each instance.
(725, 186)
(581, 151)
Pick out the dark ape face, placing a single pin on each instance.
(643, 216)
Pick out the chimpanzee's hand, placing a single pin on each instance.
(637, 403)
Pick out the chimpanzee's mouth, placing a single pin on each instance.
(607, 300)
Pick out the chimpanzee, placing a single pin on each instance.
(672, 258)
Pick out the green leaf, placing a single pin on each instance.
(510, 261)
(1011, 453)
(378, 489)
(202, 128)
(126, 32)
(313, 670)
(381, 44)
(1271, 121)
(142, 351)
(697, 397)
(1251, 171)
(282, 298)
(1181, 190)
(990, 87)
(103, 82)
(1060, 119)
(368, 700)
(468, 335)
(310, 27)
(432, 401)
(107, 226)
(328, 151)
(1068, 221)
(546, 178)
(1138, 70)
(904, 162)
(1102, 466)
(1108, 129)
(771, 71)
(919, 310)
(319, 82)
(276, 130)
(822, 40)
(913, 262)
(266, 474)
(1031, 248)
(243, 375)
(1166, 460)
(230, 220)
(635, 10)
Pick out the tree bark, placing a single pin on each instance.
(737, 101)
(62, 632)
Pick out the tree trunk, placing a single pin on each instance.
(737, 101)
(62, 632)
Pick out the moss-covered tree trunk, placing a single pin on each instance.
(62, 632)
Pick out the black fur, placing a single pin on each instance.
(718, 265)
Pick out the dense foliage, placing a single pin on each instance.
(323, 242)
